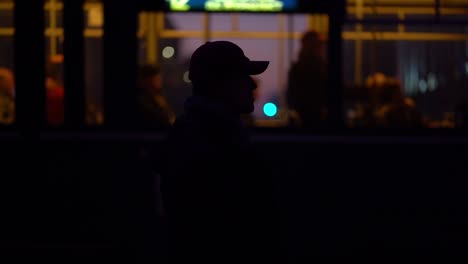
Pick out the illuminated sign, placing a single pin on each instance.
(233, 5)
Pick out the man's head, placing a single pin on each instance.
(221, 70)
(149, 78)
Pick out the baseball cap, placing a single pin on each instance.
(221, 58)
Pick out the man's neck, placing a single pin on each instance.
(216, 107)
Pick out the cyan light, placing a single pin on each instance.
(270, 109)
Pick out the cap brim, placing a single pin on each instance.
(257, 67)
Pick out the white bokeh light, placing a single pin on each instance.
(168, 52)
(186, 77)
(422, 86)
(432, 82)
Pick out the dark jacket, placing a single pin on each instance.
(306, 93)
(218, 198)
(154, 110)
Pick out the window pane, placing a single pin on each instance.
(256, 22)
(93, 80)
(276, 38)
(164, 86)
(411, 79)
(7, 82)
(449, 10)
(184, 21)
(307, 73)
(54, 14)
(55, 91)
(453, 3)
(176, 86)
(93, 15)
(6, 17)
(436, 29)
(221, 22)
(94, 21)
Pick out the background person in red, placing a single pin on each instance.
(55, 91)
(7, 96)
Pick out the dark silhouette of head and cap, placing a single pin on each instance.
(220, 70)
(216, 211)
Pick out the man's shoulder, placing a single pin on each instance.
(187, 131)
(194, 135)
(185, 127)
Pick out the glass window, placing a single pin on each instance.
(7, 81)
(262, 23)
(54, 14)
(94, 80)
(223, 22)
(93, 33)
(415, 78)
(409, 70)
(54, 73)
(306, 74)
(176, 85)
(424, 10)
(163, 83)
(272, 37)
(189, 21)
(453, 3)
(6, 16)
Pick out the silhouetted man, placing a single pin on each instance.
(217, 197)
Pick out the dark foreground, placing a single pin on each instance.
(94, 195)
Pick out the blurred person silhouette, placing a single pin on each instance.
(370, 99)
(154, 110)
(374, 84)
(356, 98)
(7, 96)
(307, 82)
(55, 92)
(394, 110)
(218, 194)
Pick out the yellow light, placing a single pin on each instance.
(179, 5)
(168, 52)
(244, 5)
(95, 17)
